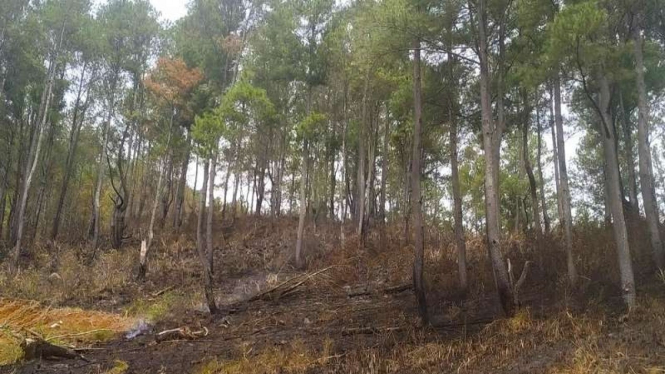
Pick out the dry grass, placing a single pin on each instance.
(20, 318)
(293, 358)
(560, 330)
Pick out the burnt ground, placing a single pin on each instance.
(359, 316)
(375, 319)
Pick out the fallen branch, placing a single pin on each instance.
(365, 291)
(282, 289)
(182, 333)
(159, 293)
(370, 330)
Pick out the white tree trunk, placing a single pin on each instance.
(566, 218)
(644, 152)
(31, 165)
(615, 196)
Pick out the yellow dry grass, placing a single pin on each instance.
(68, 326)
(297, 357)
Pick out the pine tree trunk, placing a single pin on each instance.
(145, 249)
(645, 162)
(629, 157)
(384, 170)
(303, 206)
(226, 190)
(95, 222)
(416, 197)
(361, 159)
(460, 241)
(533, 187)
(31, 163)
(555, 159)
(182, 186)
(167, 195)
(200, 245)
(608, 134)
(491, 142)
(344, 196)
(211, 210)
(543, 200)
(567, 218)
(71, 153)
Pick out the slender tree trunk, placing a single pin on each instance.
(629, 156)
(333, 179)
(567, 218)
(491, 136)
(416, 197)
(555, 158)
(100, 170)
(361, 159)
(543, 200)
(31, 163)
(645, 161)
(345, 194)
(226, 189)
(406, 206)
(71, 153)
(303, 206)
(615, 196)
(369, 186)
(533, 187)
(182, 185)
(211, 210)
(384, 170)
(4, 182)
(47, 164)
(460, 242)
(200, 245)
(147, 244)
(167, 195)
(260, 186)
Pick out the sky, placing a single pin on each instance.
(170, 9)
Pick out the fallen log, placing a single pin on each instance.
(37, 348)
(366, 291)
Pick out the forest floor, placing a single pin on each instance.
(351, 312)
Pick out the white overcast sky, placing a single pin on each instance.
(170, 9)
